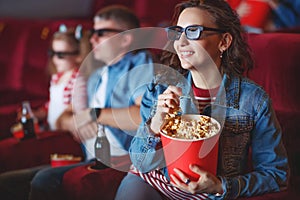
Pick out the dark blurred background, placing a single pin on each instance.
(150, 12)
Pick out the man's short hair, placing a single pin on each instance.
(120, 14)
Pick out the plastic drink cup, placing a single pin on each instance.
(260, 11)
(180, 153)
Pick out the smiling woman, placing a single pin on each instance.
(209, 44)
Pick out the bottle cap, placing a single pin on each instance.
(101, 130)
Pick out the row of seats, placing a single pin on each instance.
(23, 61)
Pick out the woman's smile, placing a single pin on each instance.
(185, 54)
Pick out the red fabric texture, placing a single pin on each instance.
(149, 13)
(277, 68)
(86, 183)
(15, 154)
(12, 41)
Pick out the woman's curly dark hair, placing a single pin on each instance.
(237, 58)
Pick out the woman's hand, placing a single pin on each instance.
(207, 182)
(167, 103)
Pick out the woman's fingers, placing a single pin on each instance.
(173, 89)
(197, 170)
(183, 182)
(167, 103)
(170, 98)
(182, 176)
(178, 182)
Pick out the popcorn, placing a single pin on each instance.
(58, 160)
(179, 127)
(64, 157)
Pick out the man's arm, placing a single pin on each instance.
(80, 133)
(123, 118)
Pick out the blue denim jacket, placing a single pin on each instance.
(127, 80)
(249, 123)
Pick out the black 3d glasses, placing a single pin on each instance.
(62, 54)
(192, 32)
(101, 32)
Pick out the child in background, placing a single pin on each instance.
(66, 53)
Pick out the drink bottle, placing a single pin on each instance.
(27, 120)
(102, 149)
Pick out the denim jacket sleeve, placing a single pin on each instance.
(145, 150)
(269, 159)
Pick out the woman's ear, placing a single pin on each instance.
(225, 42)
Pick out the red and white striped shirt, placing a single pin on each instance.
(74, 91)
(65, 89)
(159, 182)
(204, 96)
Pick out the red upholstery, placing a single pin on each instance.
(277, 70)
(35, 60)
(149, 13)
(13, 41)
(15, 154)
(85, 183)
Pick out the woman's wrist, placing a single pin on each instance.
(222, 190)
(155, 124)
(219, 189)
